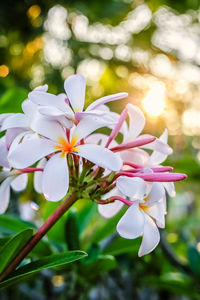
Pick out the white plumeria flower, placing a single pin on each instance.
(52, 138)
(142, 158)
(9, 178)
(19, 123)
(144, 215)
(136, 125)
(71, 105)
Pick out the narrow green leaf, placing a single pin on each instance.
(51, 261)
(13, 246)
(11, 224)
(194, 259)
(71, 230)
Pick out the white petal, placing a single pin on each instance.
(157, 145)
(164, 136)
(29, 151)
(19, 183)
(3, 154)
(54, 112)
(29, 108)
(106, 99)
(110, 210)
(55, 182)
(99, 139)
(4, 116)
(157, 211)
(87, 125)
(130, 226)
(100, 156)
(157, 192)
(136, 123)
(11, 134)
(42, 88)
(75, 89)
(156, 158)
(131, 187)
(42, 98)
(151, 237)
(5, 194)
(38, 176)
(18, 120)
(170, 188)
(135, 156)
(47, 127)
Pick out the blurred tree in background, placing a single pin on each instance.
(151, 49)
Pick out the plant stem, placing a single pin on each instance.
(57, 214)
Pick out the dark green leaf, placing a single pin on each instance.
(120, 245)
(13, 246)
(11, 224)
(194, 259)
(51, 261)
(102, 264)
(71, 230)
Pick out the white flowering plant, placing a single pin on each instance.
(56, 139)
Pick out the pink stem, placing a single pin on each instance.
(133, 144)
(154, 177)
(125, 201)
(117, 128)
(30, 170)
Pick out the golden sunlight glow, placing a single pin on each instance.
(154, 102)
(4, 71)
(34, 11)
(58, 280)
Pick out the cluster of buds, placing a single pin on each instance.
(59, 135)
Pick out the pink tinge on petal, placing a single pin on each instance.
(127, 163)
(136, 143)
(155, 177)
(117, 128)
(125, 201)
(67, 101)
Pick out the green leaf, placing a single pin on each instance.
(32, 268)
(10, 224)
(175, 282)
(102, 264)
(13, 246)
(107, 228)
(12, 99)
(71, 230)
(120, 245)
(194, 259)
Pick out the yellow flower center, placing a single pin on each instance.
(143, 206)
(65, 147)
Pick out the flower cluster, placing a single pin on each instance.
(57, 134)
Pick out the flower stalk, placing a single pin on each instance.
(57, 214)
